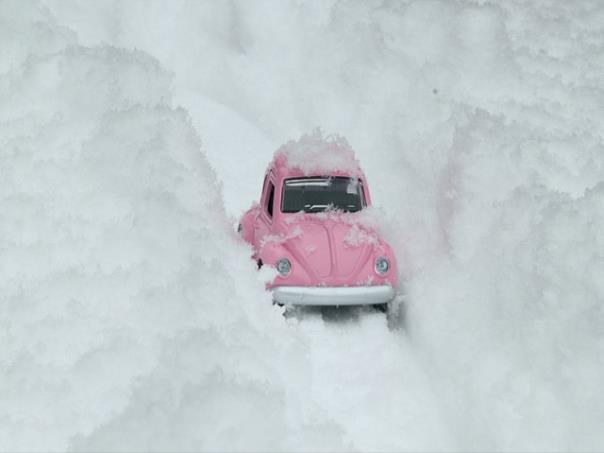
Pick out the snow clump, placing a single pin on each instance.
(316, 155)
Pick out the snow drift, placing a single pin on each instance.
(127, 302)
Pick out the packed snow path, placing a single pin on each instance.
(369, 379)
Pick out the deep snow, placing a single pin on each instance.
(133, 133)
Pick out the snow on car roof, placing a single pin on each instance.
(315, 154)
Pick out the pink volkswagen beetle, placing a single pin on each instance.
(310, 226)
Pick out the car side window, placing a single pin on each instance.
(271, 198)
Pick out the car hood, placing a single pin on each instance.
(331, 252)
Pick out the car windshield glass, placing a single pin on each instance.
(320, 194)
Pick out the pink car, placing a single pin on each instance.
(311, 225)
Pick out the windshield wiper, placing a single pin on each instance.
(312, 207)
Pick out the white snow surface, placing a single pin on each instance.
(133, 133)
(315, 154)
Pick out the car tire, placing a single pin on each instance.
(383, 308)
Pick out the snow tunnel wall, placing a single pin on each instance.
(131, 317)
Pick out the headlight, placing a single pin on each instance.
(283, 267)
(382, 265)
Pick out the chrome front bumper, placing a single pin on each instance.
(340, 295)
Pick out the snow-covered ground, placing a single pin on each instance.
(132, 135)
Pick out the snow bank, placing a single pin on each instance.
(132, 317)
(508, 315)
(513, 329)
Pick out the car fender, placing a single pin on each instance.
(271, 252)
(246, 224)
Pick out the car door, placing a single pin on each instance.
(264, 221)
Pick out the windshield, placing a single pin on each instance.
(320, 194)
